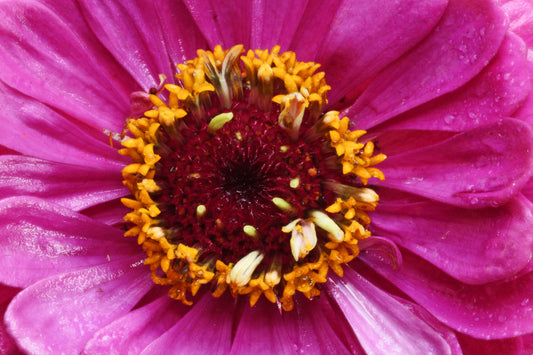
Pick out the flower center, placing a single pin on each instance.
(242, 182)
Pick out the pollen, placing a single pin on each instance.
(241, 183)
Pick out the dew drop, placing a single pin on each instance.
(449, 119)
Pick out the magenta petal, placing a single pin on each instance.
(318, 329)
(526, 111)
(223, 24)
(60, 314)
(47, 56)
(527, 191)
(527, 341)
(111, 213)
(355, 40)
(62, 184)
(491, 311)
(494, 93)
(384, 246)
(466, 38)
(7, 151)
(482, 167)
(275, 22)
(137, 38)
(34, 128)
(256, 24)
(394, 142)
(473, 346)
(384, 324)
(520, 14)
(205, 329)
(134, 331)
(39, 239)
(306, 329)
(7, 343)
(177, 24)
(262, 329)
(474, 246)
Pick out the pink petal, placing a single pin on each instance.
(520, 14)
(61, 313)
(134, 331)
(472, 346)
(33, 128)
(39, 239)
(178, 24)
(494, 93)
(491, 311)
(257, 24)
(386, 325)
(306, 329)
(528, 343)
(482, 167)
(275, 22)
(7, 151)
(527, 191)
(474, 246)
(394, 142)
(381, 245)
(205, 329)
(62, 184)
(110, 213)
(222, 24)
(48, 54)
(355, 40)
(526, 111)
(261, 329)
(466, 38)
(7, 343)
(139, 32)
(318, 327)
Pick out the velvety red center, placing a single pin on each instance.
(235, 174)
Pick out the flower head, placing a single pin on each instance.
(141, 160)
(234, 163)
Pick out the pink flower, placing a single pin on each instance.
(442, 88)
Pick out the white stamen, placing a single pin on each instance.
(228, 72)
(282, 204)
(200, 211)
(227, 81)
(219, 121)
(251, 231)
(330, 117)
(294, 183)
(289, 227)
(365, 194)
(273, 276)
(292, 113)
(242, 272)
(326, 223)
(155, 233)
(303, 239)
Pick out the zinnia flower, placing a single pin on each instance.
(241, 178)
